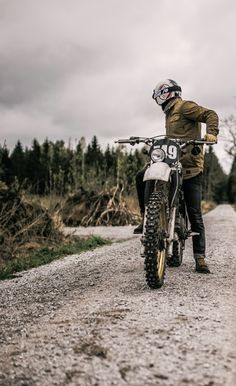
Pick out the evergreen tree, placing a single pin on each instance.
(5, 165)
(57, 178)
(109, 166)
(18, 162)
(214, 179)
(46, 157)
(94, 162)
(108, 160)
(67, 166)
(231, 188)
(53, 167)
(34, 168)
(77, 167)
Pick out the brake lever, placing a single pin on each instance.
(134, 140)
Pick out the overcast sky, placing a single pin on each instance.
(72, 68)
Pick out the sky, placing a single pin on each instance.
(73, 68)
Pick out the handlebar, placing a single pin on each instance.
(150, 140)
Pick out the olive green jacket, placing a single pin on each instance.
(183, 120)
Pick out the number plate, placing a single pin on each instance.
(170, 148)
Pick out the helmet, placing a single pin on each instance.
(166, 90)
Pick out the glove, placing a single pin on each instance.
(210, 138)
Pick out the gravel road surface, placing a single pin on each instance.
(91, 320)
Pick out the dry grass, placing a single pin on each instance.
(107, 207)
(207, 206)
(31, 232)
(132, 203)
(25, 224)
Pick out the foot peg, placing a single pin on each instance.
(191, 234)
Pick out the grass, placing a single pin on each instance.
(46, 255)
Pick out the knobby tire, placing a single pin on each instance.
(154, 245)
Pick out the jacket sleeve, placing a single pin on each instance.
(194, 112)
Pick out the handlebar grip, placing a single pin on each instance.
(210, 143)
(132, 140)
(122, 141)
(204, 142)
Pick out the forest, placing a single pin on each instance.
(60, 169)
(46, 186)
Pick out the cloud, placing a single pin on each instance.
(78, 68)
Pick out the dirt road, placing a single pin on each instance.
(91, 320)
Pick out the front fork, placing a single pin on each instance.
(172, 236)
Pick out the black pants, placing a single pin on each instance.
(192, 189)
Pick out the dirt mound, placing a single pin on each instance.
(107, 207)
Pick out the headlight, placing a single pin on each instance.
(157, 155)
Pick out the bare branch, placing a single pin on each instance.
(229, 131)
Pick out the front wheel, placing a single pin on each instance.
(154, 239)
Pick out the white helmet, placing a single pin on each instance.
(166, 90)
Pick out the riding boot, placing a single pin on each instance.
(201, 265)
(139, 229)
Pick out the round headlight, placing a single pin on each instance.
(157, 155)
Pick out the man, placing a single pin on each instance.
(183, 120)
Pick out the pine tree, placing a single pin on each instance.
(6, 174)
(214, 179)
(94, 162)
(77, 167)
(34, 168)
(56, 175)
(109, 165)
(55, 168)
(231, 188)
(46, 158)
(18, 163)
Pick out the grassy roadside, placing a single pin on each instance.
(207, 206)
(31, 232)
(47, 254)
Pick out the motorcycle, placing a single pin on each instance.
(166, 226)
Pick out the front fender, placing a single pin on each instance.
(157, 171)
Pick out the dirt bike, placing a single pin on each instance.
(165, 227)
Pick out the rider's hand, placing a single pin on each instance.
(210, 138)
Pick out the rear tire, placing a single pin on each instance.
(178, 245)
(154, 239)
(177, 257)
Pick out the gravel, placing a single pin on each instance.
(91, 320)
